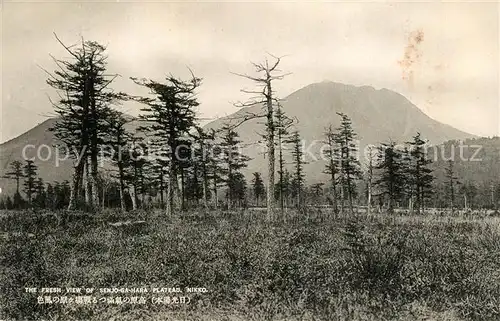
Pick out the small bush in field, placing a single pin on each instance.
(381, 267)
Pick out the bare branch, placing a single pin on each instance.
(68, 49)
(243, 118)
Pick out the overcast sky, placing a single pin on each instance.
(444, 57)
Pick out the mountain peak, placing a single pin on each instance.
(377, 115)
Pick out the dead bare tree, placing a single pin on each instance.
(267, 73)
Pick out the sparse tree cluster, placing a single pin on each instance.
(172, 163)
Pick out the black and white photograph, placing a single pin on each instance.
(250, 161)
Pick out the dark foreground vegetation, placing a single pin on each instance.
(313, 267)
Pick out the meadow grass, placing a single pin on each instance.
(311, 267)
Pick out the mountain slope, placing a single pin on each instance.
(377, 116)
(39, 143)
(31, 142)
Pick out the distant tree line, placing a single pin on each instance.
(36, 193)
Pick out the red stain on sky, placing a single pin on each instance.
(412, 55)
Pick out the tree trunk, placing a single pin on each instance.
(75, 185)
(492, 195)
(133, 195)
(183, 190)
(177, 194)
(172, 192)
(422, 201)
(370, 178)
(205, 176)
(230, 186)
(334, 191)
(281, 167)
(298, 197)
(162, 190)
(391, 204)
(205, 192)
(216, 197)
(170, 197)
(94, 181)
(270, 152)
(103, 196)
(452, 197)
(122, 187)
(87, 184)
(93, 136)
(342, 194)
(122, 199)
(369, 202)
(349, 195)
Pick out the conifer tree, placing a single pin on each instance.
(15, 173)
(194, 183)
(239, 189)
(369, 179)
(117, 139)
(84, 99)
(298, 162)
(204, 157)
(30, 173)
(419, 172)
(8, 203)
(331, 154)
(258, 187)
(50, 200)
(390, 180)
(406, 165)
(317, 192)
(214, 166)
(40, 194)
(170, 115)
(282, 135)
(349, 165)
(233, 161)
(451, 183)
(135, 170)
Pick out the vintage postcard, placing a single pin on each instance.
(205, 160)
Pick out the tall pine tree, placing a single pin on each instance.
(298, 162)
(170, 114)
(233, 161)
(16, 173)
(84, 100)
(451, 182)
(350, 168)
(30, 176)
(420, 174)
(331, 154)
(390, 181)
(258, 187)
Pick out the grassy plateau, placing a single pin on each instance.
(314, 266)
